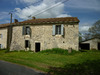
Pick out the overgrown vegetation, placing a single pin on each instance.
(58, 51)
(57, 61)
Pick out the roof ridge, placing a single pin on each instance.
(54, 18)
(50, 18)
(5, 23)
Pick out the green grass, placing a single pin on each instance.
(59, 51)
(57, 61)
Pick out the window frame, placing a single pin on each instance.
(58, 30)
(25, 30)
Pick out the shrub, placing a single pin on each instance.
(58, 51)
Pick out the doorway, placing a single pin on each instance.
(98, 46)
(26, 43)
(37, 47)
(85, 46)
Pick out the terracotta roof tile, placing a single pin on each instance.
(45, 21)
(4, 25)
(51, 20)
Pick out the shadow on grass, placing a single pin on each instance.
(86, 68)
(83, 50)
(59, 51)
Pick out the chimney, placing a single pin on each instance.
(15, 20)
(33, 17)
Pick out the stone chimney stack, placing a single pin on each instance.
(15, 20)
(33, 17)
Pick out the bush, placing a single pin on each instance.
(58, 51)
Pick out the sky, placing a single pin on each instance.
(87, 11)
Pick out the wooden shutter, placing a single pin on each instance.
(30, 31)
(62, 29)
(53, 30)
(1, 46)
(23, 30)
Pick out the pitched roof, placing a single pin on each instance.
(45, 21)
(90, 39)
(50, 20)
(4, 25)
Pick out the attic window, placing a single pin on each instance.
(26, 30)
(58, 29)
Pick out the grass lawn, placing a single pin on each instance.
(57, 61)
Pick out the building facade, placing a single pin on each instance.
(3, 36)
(42, 34)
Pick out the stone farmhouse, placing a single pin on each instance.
(40, 34)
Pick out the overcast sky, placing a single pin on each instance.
(87, 11)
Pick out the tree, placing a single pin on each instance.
(80, 37)
(87, 36)
(95, 30)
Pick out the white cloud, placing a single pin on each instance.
(84, 27)
(46, 9)
(64, 15)
(85, 4)
(27, 1)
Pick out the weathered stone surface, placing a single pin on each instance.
(3, 40)
(43, 35)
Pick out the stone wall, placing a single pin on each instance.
(3, 39)
(43, 34)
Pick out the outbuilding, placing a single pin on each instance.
(91, 44)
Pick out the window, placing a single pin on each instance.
(27, 44)
(0, 46)
(26, 30)
(58, 29)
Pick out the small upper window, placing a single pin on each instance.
(58, 29)
(26, 30)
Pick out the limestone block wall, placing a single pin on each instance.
(17, 42)
(43, 34)
(3, 39)
(93, 44)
